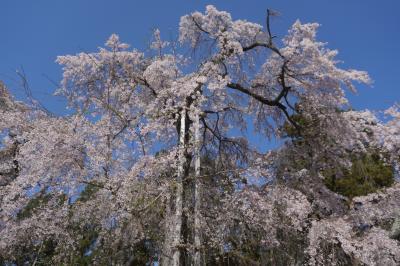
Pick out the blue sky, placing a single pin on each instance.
(366, 33)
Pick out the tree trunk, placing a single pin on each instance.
(176, 240)
(166, 256)
(197, 194)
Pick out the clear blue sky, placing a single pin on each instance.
(34, 32)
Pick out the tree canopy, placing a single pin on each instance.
(147, 168)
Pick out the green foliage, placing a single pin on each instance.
(142, 253)
(366, 175)
(88, 192)
(46, 252)
(290, 131)
(395, 229)
(368, 172)
(39, 254)
(37, 202)
(33, 204)
(89, 235)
